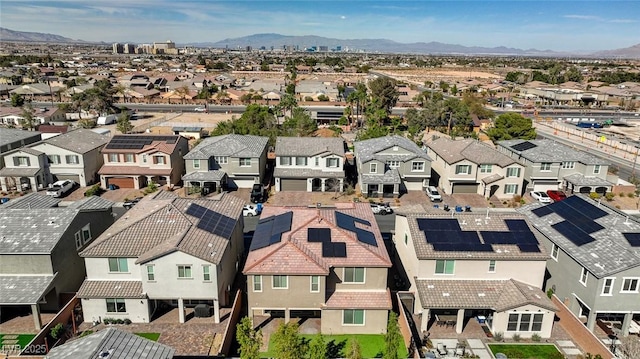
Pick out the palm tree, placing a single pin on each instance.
(182, 91)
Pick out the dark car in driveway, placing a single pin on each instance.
(258, 193)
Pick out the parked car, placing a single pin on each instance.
(130, 203)
(556, 196)
(382, 209)
(540, 196)
(250, 210)
(200, 109)
(433, 194)
(60, 188)
(258, 193)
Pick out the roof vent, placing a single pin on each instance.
(104, 354)
(52, 222)
(481, 294)
(445, 294)
(594, 255)
(430, 286)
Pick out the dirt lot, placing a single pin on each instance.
(419, 76)
(161, 123)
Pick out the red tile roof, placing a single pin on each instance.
(360, 300)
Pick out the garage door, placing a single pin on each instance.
(293, 185)
(465, 188)
(75, 178)
(545, 185)
(414, 184)
(122, 182)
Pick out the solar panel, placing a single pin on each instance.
(340, 249)
(348, 223)
(269, 230)
(517, 225)
(528, 248)
(633, 239)
(573, 233)
(584, 207)
(318, 234)
(543, 211)
(367, 237)
(196, 210)
(523, 146)
(438, 224)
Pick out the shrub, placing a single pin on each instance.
(127, 321)
(609, 196)
(630, 194)
(594, 195)
(621, 194)
(85, 333)
(536, 337)
(58, 331)
(516, 337)
(498, 336)
(95, 190)
(119, 321)
(349, 190)
(550, 293)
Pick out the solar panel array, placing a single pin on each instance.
(269, 230)
(211, 221)
(348, 222)
(137, 142)
(523, 146)
(633, 239)
(329, 248)
(446, 235)
(578, 215)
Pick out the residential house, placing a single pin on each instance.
(12, 138)
(595, 258)
(309, 164)
(13, 116)
(469, 166)
(328, 263)
(111, 343)
(229, 161)
(488, 266)
(165, 252)
(552, 165)
(134, 161)
(36, 91)
(390, 165)
(39, 245)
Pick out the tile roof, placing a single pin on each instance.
(156, 227)
(492, 178)
(35, 230)
(579, 179)
(551, 151)
(389, 177)
(109, 169)
(608, 253)
(229, 145)
(32, 200)
(111, 289)
(118, 344)
(79, 141)
(143, 143)
(30, 151)
(305, 173)
(489, 220)
(294, 254)
(359, 300)
(453, 151)
(23, 289)
(19, 171)
(91, 203)
(368, 149)
(309, 146)
(10, 135)
(498, 295)
(214, 175)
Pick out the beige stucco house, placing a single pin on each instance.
(328, 263)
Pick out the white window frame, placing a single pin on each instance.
(373, 168)
(116, 301)
(119, 261)
(257, 283)
(221, 160)
(285, 161)
(144, 158)
(333, 160)
(545, 167)
(159, 160)
(317, 284)
(584, 276)
(317, 161)
(78, 238)
(196, 164)
(354, 280)
(54, 159)
(492, 266)
(129, 156)
(486, 168)
(184, 268)
(86, 234)
(519, 322)
(625, 279)
(151, 273)
(509, 173)
(273, 281)
(612, 281)
(568, 165)
(354, 316)
(206, 272)
(417, 166)
(444, 268)
(393, 163)
(554, 251)
(72, 159)
(244, 161)
(510, 188)
(113, 157)
(301, 161)
(460, 168)
(596, 169)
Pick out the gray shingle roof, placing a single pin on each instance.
(608, 254)
(551, 151)
(455, 151)
(111, 289)
(214, 175)
(305, 173)
(79, 141)
(117, 343)
(309, 146)
(368, 149)
(19, 171)
(389, 177)
(23, 289)
(229, 145)
(10, 135)
(33, 230)
(91, 203)
(32, 200)
(155, 227)
(579, 179)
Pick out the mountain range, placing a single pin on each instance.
(277, 41)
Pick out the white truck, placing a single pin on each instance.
(107, 120)
(60, 188)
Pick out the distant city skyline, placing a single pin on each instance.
(554, 25)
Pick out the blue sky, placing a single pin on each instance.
(557, 25)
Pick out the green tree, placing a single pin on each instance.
(17, 100)
(511, 126)
(384, 93)
(288, 102)
(300, 124)
(123, 123)
(318, 348)
(392, 338)
(28, 120)
(287, 342)
(249, 339)
(353, 349)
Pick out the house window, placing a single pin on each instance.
(280, 282)
(512, 325)
(128, 157)
(373, 168)
(583, 276)
(116, 305)
(463, 169)
(486, 168)
(596, 169)
(21, 161)
(257, 283)
(406, 239)
(333, 162)
(184, 272)
(151, 274)
(545, 167)
(393, 164)
(492, 266)
(285, 161)
(607, 288)
(196, 164)
(113, 157)
(513, 172)
(445, 266)
(54, 159)
(568, 165)
(353, 317)
(510, 188)
(78, 238)
(317, 160)
(206, 273)
(221, 160)
(118, 265)
(536, 326)
(524, 322)
(554, 251)
(300, 161)
(158, 160)
(629, 285)
(245, 162)
(86, 234)
(144, 158)
(417, 166)
(72, 159)
(354, 275)
(315, 284)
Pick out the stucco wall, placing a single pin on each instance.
(375, 322)
(501, 319)
(96, 310)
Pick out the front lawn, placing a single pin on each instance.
(150, 336)
(371, 345)
(527, 351)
